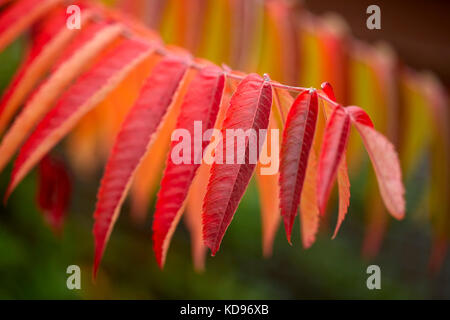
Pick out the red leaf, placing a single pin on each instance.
(332, 152)
(384, 160)
(84, 95)
(149, 174)
(249, 109)
(201, 104)
(54, 190)
(19, 16)
(328, 89)
(359, 116)
(132, 142)
(342, 175)
(298, 136)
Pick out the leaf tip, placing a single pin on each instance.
(288, 222)
(8, 192)
(400, 215)
(328, 89)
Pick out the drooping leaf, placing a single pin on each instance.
(384, 160)
(309, 209)
(111, 112)
(359, 116)
(46, 95)
(197, 192)
(344, 193)
(79, 99)
(131, 145)
(19, 16)
(298, 137)
(249, 111)
(201, 104)
(148, 176)
(54, 190)
(342, 175)
(51, 39)
(332, 152)
(267, 177)
(193, 216)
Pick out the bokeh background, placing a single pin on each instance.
(387, 79)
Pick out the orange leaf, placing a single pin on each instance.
(193, 216)
(269, 198)
(309, 210)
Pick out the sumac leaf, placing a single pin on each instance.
(309, 210)
(249, 109)
(134, 139)
(148, 176)
(328, 89)
(267, 177)
(298, 137)
(332, 152)
(201, 104)
(384, 160)
(193, 216)
(342, 176)
(54, 191)
(344, 193)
